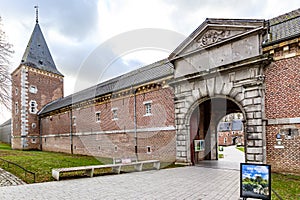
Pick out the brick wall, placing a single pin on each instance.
(282, 88)
(285, 159)
(25, 124)
(115, 137)
(283, 102)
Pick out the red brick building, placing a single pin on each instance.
(282, 102)
(159, 110)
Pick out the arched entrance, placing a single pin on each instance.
(204, 119)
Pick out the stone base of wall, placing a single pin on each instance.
(150, 145)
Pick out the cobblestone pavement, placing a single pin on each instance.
(8, 179)
(193, 182)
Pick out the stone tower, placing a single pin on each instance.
(35, 83)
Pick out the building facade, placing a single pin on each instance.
(170, 110)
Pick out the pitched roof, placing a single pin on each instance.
(284, 26)
(37, 54)
(155, 71)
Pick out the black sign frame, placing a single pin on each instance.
(255, 181)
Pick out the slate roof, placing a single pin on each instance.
(155, 71)
(37, 54)
(284, 26)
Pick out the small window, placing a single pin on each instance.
(33, 89)
(74, 120)
(148, 149)
(33, 140)
(98, 116)
(115, 114)
(33, 125)
(16, 108)
(16, 91)
(225, 140)
(33, 107)
(148, 108)
(116, 148)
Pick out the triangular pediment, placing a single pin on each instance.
(213, 32)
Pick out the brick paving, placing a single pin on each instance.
(8, 179)
(194, 182)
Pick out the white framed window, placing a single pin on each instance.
(225, 140)
(98, 116)
(116, 148)
(33, 107)
(114, 113)
(33, 89)
(148, 108)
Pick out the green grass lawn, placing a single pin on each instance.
(287, 186)
(42, 162)
(241, 148)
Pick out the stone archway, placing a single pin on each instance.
(240, 86)
(203, 121)
(222, 58)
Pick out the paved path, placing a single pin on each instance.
(193, 182)
(232, 154)
(8, 179)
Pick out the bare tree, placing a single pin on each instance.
(5, 80)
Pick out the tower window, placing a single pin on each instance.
(33, 125)
(16, 108)
(33, 107)
(33, 89)
(98, 116)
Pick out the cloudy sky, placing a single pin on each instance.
(84, 36)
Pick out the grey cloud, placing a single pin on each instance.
(106, 60)
(78, 18)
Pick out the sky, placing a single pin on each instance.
(91, 40)
(252, 171)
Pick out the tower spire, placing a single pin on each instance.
(36, 13)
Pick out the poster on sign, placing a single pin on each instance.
(199, 145)
(255, 181)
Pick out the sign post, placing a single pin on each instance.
(255, 181)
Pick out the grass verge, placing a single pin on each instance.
(241, 148)
(41, 163)
(287, 186)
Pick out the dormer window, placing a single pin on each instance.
(33, 89)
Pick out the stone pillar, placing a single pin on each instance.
(252, 104)
(182, 140)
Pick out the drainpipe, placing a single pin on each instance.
(71, 130)
(40, 133)
(135, 125)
